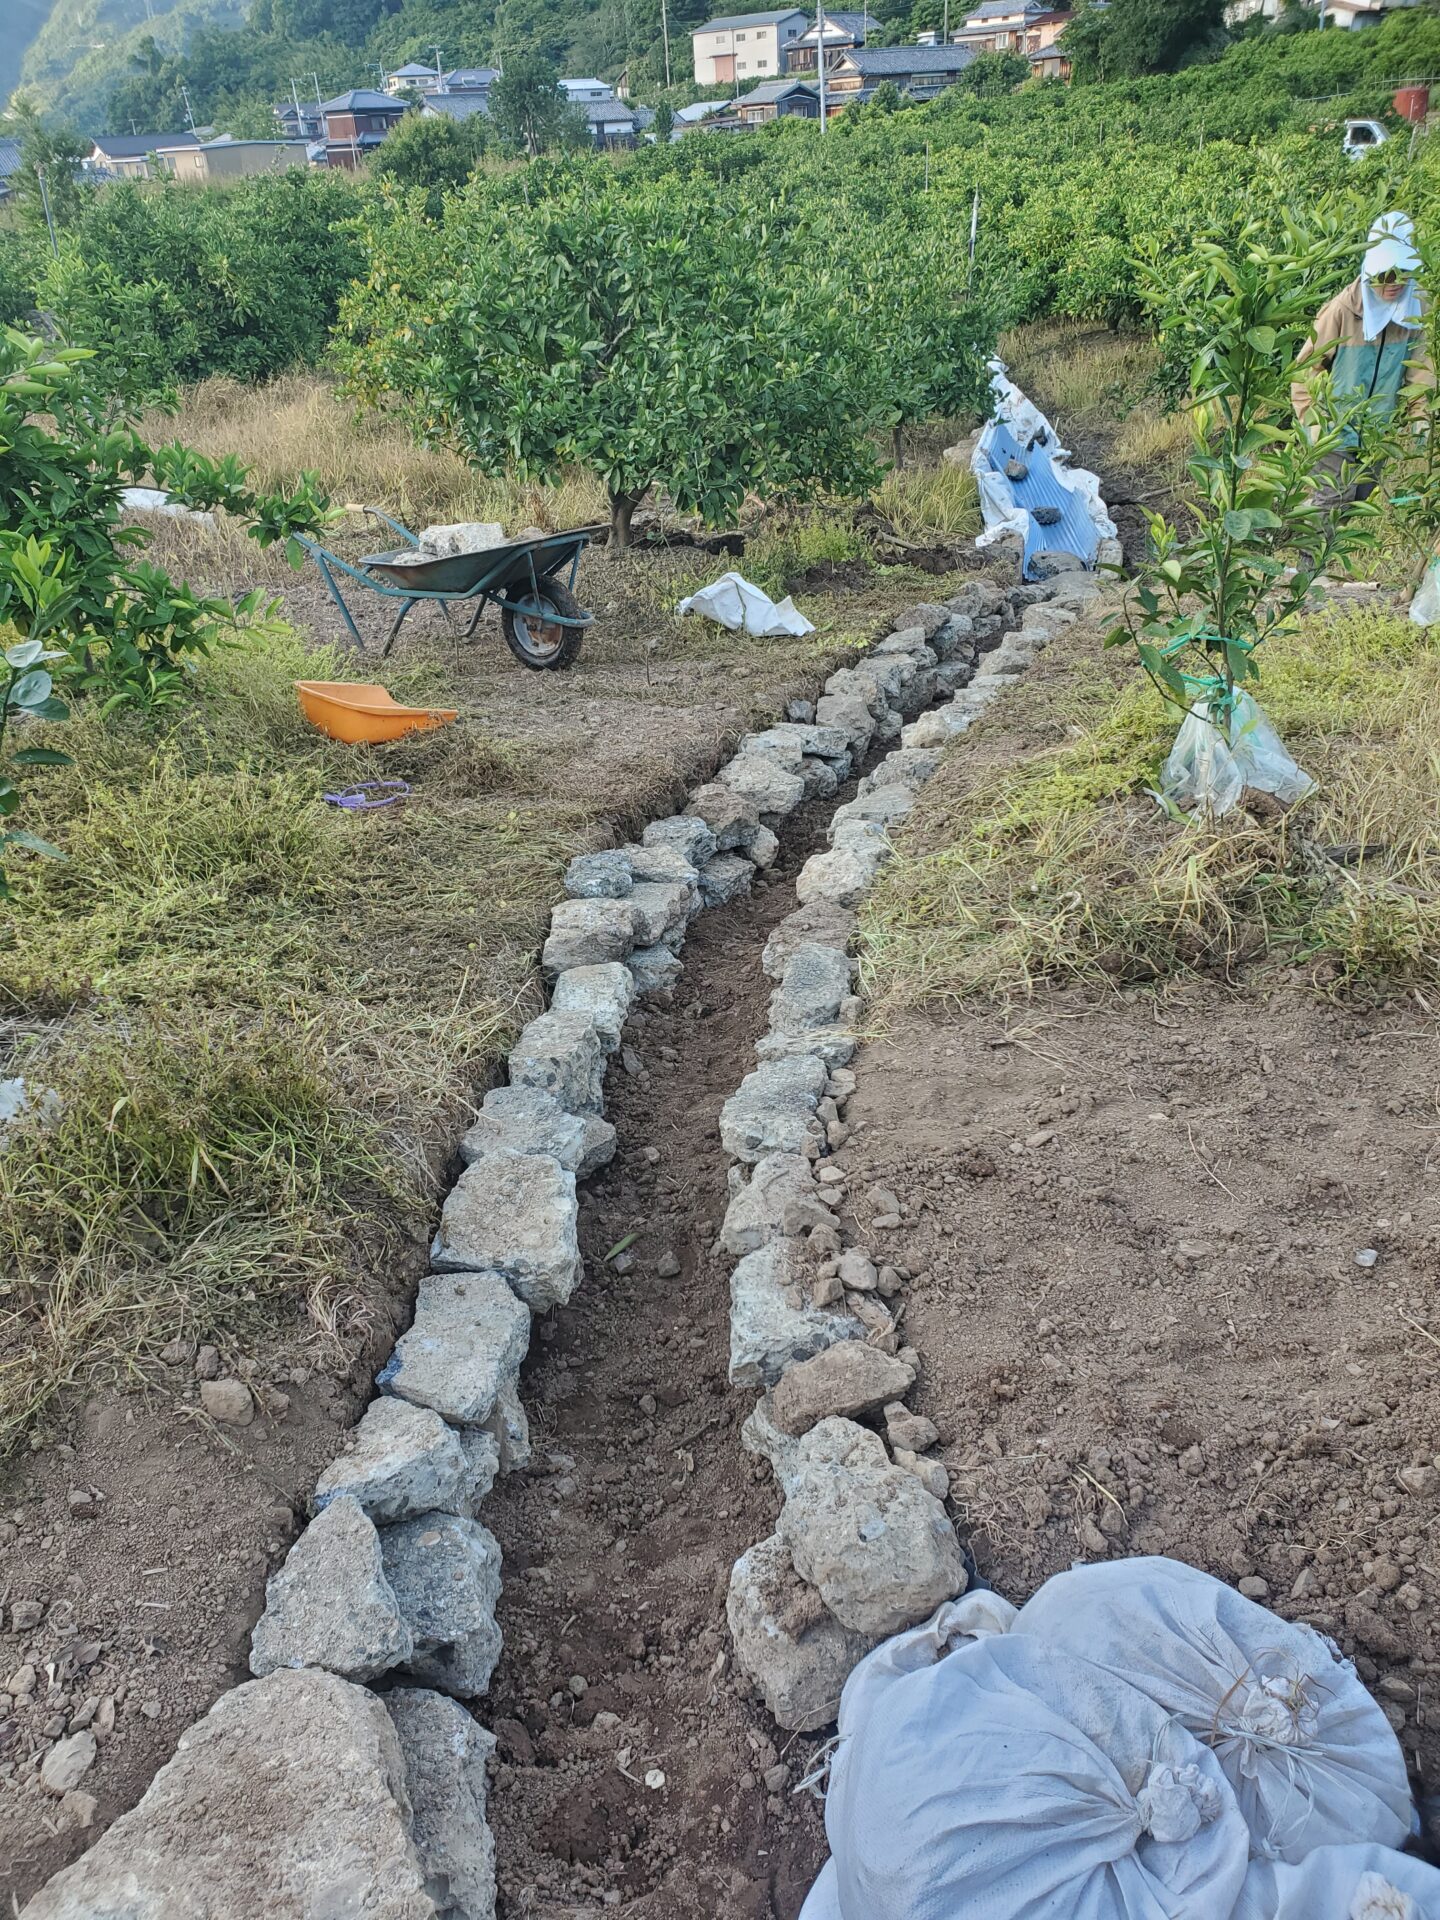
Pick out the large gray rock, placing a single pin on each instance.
(847, 684)
(445, 1752)
(330, 1605)
(514, 1214)
(906, 767)
(772, 1324)
(835, 1046)
(559, 1053)
(653, 969)
(929, 619)
(887, 806)
(526, 1120)
(725, 878)
(815, 982)
(661, 908)
(828, 743)
(909, 641)
(851, 715)
(404, 1460)
(602, 995)
(819, 922)
(731, 819)
(780, 1201)
(598, 876)
(764, 783)
(776, 744)
(938, 728)
(686, 834)
(877, 1547)
(786, 1641)
(665, 865)
(463, 1350)
(764, 849)
(760, 1435)
(772, 1109)
(286, 1801)
(843, 875)
(849, 1380)
(819, 776)
(584, 933)
(445, 1573)
(955, 642)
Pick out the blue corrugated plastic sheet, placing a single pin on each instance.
(1075, 531)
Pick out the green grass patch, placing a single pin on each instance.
(1057, 866)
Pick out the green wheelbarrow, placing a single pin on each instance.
(542, 620)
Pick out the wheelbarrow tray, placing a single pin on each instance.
(491, 570)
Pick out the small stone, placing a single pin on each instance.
(1192, 1461)
(207, 1364)
(228, 1401)
(1366, 1257)
(176, 1352)
(67, 1763)
(578, 1686)
(858, 1271)
(1419, 1480)
(930, 1473)
(667, 1267)
(78, 1810)
(26, 1615)
(909, 1430)
(21, 1683)
(1254, 1588)
(777, 1778)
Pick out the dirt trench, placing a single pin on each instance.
(619, 1541)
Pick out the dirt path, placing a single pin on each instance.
(619, 1543)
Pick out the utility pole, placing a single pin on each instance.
(189, 113)
(49, 218)
(820, 56)
(974, 230)
(316, 78)
(439, 76)
(665, 36)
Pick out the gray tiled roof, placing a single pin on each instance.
(726, 20)
(889, 62)
(363, 100)
(9, 158)
(772, 90)
(134, 146)
(457, 106)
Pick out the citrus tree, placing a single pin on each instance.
(631, 327)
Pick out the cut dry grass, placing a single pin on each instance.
(1057, 866)
(930, 503)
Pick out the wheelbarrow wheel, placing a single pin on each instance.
(536, 642)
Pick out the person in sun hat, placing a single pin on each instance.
(1367, 338)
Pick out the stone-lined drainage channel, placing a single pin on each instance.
(631, 1771)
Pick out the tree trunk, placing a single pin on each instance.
(622, 507)
(897, 445)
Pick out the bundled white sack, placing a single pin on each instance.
(1342, 1883)
(743, 608)
(156, 500)
(1311, 1757)
(1007, 1782)
(1210, 766)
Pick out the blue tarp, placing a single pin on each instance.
(1075, 531)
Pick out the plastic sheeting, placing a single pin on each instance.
(743, 608)
(1210, 766)
(153, 500)
(1018, 431)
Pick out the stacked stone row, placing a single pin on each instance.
(863, 1545)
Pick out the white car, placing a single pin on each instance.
(1363, 136)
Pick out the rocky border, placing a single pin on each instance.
(394, 1582)
(863, 1545)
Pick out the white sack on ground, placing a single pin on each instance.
(153, 500)
(743, 608)
(1310, 1755)
(1425, 607)
(1210, 766)
(1340, 1883)
(1008, 1780)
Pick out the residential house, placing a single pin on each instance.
(300, 119)
(227, 158)
(919, 72)
(1051, 62)
(745, 46)
(580, 92)
(1002, 26)
(355, 124)
(135, 156)
(778, 100)
(414, 74)
(691, 116)
(840, 31)
(9, 166)
(455, 106)
(613, 124)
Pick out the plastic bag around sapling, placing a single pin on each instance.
(1210, 764)
(1010, 1780)
(1339, 1883)
(743, 608)
(1425, 607)
(1310, 1755)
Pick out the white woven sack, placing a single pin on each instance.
(1009, 1782)
(1341, 1883)
(1311, 1757)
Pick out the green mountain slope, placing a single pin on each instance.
(84, 46)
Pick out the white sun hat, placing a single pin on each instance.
(1391, 247)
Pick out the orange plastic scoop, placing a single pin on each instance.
(348, 710)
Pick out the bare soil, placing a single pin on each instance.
(1176, 1262)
